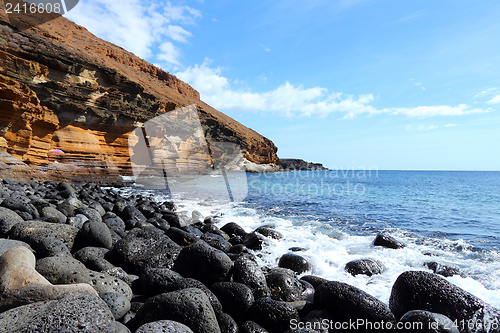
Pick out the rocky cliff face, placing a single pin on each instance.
(62, 87)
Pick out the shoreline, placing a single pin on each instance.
(107, 228)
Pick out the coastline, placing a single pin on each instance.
(227, 256)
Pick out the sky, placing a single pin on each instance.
(386, 84)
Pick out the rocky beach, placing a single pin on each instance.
(78, 257)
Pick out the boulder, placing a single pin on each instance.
(252, 327)
(190, 307)
(387, 241)
(347, 302)
(274, 316)
(8, 218)
(418, 290)
(429, 322)
(365, 267)
(145, 248)
(51, 214)
(227, 323)
(233, 229)
(33, 232)
(82, 312)
(295, 262)
(21, 284)
(441, 269)
(96, 234)
(118, 304)
(248, 272)
(288, 288)
(236, 298)
(164, 326)
(202, 262)
(216, 241)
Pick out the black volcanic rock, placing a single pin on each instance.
(292, 164)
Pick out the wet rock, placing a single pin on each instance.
(236, 298)
(202, 262)
(274, 316)
(71, 314)
(254, 241)
(295, 262)
(317, 319)
(96, 234)
(145, 248)
(430, 322)
(21, 284)
(387, 241)
(248, 272)
(364, 266)
(190, 307)
(181, 237)
(443, 270)
(233, 229)
(227, 324)
(287, 288)
(8, 218)
(118, 304)
(350, 303)
(315, 281)
(252, 327)
(164, 326)
(297, 249)
(51, 214)
(33, 232)
(216, 241)
(430, 292)
(268, 232)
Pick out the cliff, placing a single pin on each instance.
(62, 87)
(293, 164)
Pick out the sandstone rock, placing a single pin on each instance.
(164, 326)
(33, 232)
(203, 262)
(188, 306)
(365, 266)
(75, 313)
(295, 262)
(21, 284)
(430, 292)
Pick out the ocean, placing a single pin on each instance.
(450, 217)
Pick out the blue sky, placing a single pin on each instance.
(348, 83)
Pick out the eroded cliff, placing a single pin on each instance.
(62, 87)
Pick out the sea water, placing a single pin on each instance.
(450, 217)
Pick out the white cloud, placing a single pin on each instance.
(295, 100)
(138, 26)
(423, 127)
(169, 53)
(487, 92)
(265, 48)
(418, 84)
(494, 100)
(436, 110)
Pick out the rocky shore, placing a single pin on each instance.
(295, 164)
(82, 258)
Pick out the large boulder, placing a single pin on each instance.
(202, 262)
(75, 313)
(248, 272)
(287, 288)
(145, 248)
(349, 303)
(274, 316)
(236, 298)
(21, 284)
(295, 262)
(190, 307)
(33, 232)
(418, 290)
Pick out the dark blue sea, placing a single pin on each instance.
(448, 217)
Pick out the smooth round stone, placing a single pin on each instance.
(117, 303)
(365, 267)
(164, 326)
(236, 298)
(248, 272)
(95, 234)
(295, 262)
(274, 316)
(8, 218)
(388, 242)
(51, 214)
(33, 232)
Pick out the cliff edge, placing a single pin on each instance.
(63, 88)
